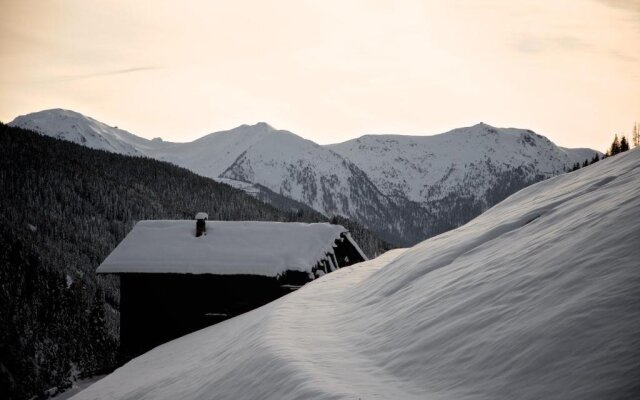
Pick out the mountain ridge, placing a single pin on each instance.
(405, 188)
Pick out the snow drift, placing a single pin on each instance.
(539, 297)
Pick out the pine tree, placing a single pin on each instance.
(635, 136)
(615, 146)
(624, 145)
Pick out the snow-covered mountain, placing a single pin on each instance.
(212, 154)
(405, 188)
(257, 158)
(427, 168)
(75, 127)
(279, 160)
(304, 171)
(254, 157)
(535, 299)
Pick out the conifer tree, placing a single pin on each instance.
(635, 136)
(615, 146)
(624, 145)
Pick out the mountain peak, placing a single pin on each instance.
(60, 111)
(49, 113)
(264, 125)
(257, 127)
(74, 127)
(482, 126)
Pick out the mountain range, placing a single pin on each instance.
(404, 188)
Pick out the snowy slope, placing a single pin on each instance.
(424, 168)
(578, 155)
(304, 171)
(212, 154)
(77, 128)
(539, 297)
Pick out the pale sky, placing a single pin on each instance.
(328, 70)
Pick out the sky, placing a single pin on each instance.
(328, 70)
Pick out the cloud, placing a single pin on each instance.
(539, 44)
(631, 5)
(623, 57)
(107, 73)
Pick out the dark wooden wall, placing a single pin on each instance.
(156, 308)
(346, 254)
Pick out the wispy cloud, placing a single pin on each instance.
(539, 44)
(632, 6)
(105, 73)
(623, 57)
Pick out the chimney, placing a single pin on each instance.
(201, 226)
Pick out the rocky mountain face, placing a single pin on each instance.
(459, 174)
(318, 177)
(424, 168)
(405, 188)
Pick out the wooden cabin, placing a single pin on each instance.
(180, 276)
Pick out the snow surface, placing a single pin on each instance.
(229, 247)
(247, 187)
(537, 298)
(76, 387)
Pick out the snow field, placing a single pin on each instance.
(539, 297)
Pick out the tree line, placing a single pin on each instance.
(621, 145)
(618, 145)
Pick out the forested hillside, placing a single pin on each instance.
(63, 208)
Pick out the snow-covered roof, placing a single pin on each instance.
(248, 247)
